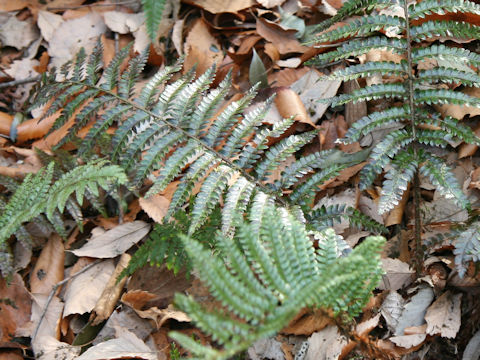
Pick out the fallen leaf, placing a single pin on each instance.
(114, 242)
(48, 22)
(408, 341)
(326, 344)
(50, 325)
(127, 345)
(284, 40)
(397, 274)
(50, 348)
(123, 23)
(17, 33)
(84, 290)
(392, 309)
(310, 87)
(221, 6)
(15, 307)
(74, 34)
(266, 349)
(110, 295)
(270, 3)
(289, 104)
(414, 311)
(460, 111)
(472, 350)
(48, 270)
(160, 316)
(307, 322)
(365, 327)
(155, 206)
(443, 317)
(201, 48)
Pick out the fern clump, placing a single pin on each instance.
(38, 195)
(269, 271)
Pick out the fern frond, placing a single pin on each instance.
(373, 92)
(443, 179)
(467, 247)
(452, 126)
(369, 69)
(112, 72)
(438, 138)
(428, 7)
(430, 29)
(153, 10)
(131, 75)
(236, 202)
(454, 54)
(382, 155)
(363, 26)
(368, 123)
(397, 180)
(444, 96)
(448, 76)
(359, 47)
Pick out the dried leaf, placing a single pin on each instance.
(50, 325)
(289, 104)
(444, 315)
(414, 311)
(15, 307)
(326, 344)
(127, 345)
(114, 242)
(472, 350)
(307, 322)
(266, 349)
(155, 206)
(48, 22)
(408, 341)
(17, 33)
(397, 274)
(50, 348)
(123, 23)
(202, 48)
(222, 6)
(270, 3)
(460, 111)
(48, 270)
(110, 295)
(84, 290)
(284, 40)
(392, 309)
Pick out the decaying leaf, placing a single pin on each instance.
(222, 6)
(326, 344)
(48, 270)
(114, 242)
(392, 309)
(408, 341)
(50, 348)
(83, 291)
(50, 323)
(414, 311)
(443, 317)
(155, 206)
(266, 349)
(397, 274)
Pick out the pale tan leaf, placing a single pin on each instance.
(155, 206)
(17, 33)
(443, 317)
(48, 270)
(266, 349)
(270, 3)
(114, 242)
(308, 322)
(48, 22)
(222, 6)
(414, 311)
(326, 344)
(397, 274)
(123, 23)
(127, 345)
(160, 316)
(50, 348)
(108, 300)
(408, 341)
(50, 325)
(83, 291)
(460, 111)
(392, 309)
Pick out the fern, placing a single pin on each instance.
(37, 195)
(407, 150)
(153, 10)
(264, 277)
(165, 133)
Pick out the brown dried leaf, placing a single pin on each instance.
(289, 104)
(48, 270)
(202, 48)
(222, 6)
(284, 40)
(443, 317)
(155, 206)
(308, 322)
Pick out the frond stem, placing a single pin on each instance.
(416, 180)
(226, 160)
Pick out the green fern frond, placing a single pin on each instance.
(359, 47)
(382, 154)
(438, 138)
(467, 247)
(373, 92)
(442, 177)
(153, 10)
(397, 180)
(131, 75)
(448, 76)
(111, 75)
(368, 123)
(369, 69)
(430, 29)
(453, 127)
(363, 26)
(428, 7)
(444, 96)
(257, 284)
(442, 52)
